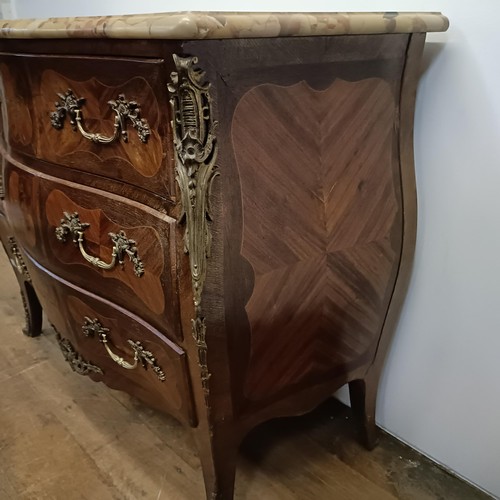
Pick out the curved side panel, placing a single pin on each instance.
(322, 224)
(409, 194)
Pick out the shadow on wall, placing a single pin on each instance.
(432, 51)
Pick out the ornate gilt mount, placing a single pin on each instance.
(122, 246)
(2, 191)
(70, 105)
(18, 260)
(195, 153)
(199, 334)
(27, 315)
(147, 359)
(75, 360)
(94, 328)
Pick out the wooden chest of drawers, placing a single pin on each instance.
(216, 212)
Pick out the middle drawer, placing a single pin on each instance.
(119, 249)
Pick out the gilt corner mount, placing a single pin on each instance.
(195, 154)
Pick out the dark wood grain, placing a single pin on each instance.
(16, 109)
(320, 246)
(92, 47)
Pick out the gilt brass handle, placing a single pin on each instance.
(118, 359)
(122, 246)
(93, 327)
(124, 110)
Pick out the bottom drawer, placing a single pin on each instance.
(111, 345)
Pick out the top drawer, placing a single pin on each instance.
(140, 155)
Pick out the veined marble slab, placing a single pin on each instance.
(201, 25)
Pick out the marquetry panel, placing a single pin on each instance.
(22, 209)
(16, 108)
(321, 225)
(70, 148)
(98, 243)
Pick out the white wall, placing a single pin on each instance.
(441, 386)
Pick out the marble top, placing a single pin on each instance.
(201, 25)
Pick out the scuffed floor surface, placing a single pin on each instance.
(63, 437)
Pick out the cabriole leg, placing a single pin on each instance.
(32, 307)
(32, 310)
(363, 396)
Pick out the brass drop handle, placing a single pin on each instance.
(124, 111)
(122, 246)
(93, 327)
(118, 359)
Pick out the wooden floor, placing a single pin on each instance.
(65, 437)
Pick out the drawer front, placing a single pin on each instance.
(37, 87)
(44, 210)
(111, 345)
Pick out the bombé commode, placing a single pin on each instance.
(216, 211)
